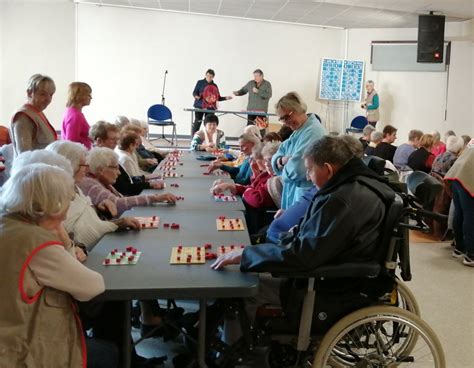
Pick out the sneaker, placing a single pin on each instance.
(457, 253)
(468, 261)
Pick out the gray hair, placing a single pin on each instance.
(454, 144)
(250, 138)
(376, 137)
(253, 129)
(37, 191)
(291, 102)
(270, 148)
(368, 129)
(36, 80)
(73, 151)
(121, 121)
(40, 156)
(257, 151)
(436, 136)
(370, 81)
(329, 149)
(101, 157)
(354, 145)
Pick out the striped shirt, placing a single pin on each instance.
(98, 192)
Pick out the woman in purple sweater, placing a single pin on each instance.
(75, 127)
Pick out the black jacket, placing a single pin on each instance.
(128, 186)
(342, 224)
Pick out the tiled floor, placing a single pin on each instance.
(444, 289)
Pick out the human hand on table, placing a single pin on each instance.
(222, 187)
(80, 254)
(157, 184)
(127, 223)
(225, 259)
(214, 166)
(167, 197)
(151, 161)
(108, 206)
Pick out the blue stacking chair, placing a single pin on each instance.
(357, 124)
(160, 115)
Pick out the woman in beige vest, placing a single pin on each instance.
(40, 274)
(30, 129)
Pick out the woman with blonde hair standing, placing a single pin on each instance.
(30, 129)
(75, 127)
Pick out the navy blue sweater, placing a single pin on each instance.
(200, 85)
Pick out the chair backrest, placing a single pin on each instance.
(375, 163)
(359, 122)
(424, 187)
(159, 112)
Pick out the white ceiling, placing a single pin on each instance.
(335, 13)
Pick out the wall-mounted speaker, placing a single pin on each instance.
(430, 38)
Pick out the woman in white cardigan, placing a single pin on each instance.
(82, 219)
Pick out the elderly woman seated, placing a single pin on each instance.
(103, 172)
(40, 274)
(255, 195)
(422, 159)
(82, 219)
(126, 151)
(444, 161)
(210, 138)
(146, 159)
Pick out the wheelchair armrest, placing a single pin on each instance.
(343, 270)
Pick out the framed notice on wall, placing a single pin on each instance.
(341, 80)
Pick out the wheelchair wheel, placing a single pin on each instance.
(406, 299)
(377, 337)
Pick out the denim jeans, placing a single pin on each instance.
(463, 223)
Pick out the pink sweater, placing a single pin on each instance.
(75, 127)
(256, 194)
(97, 192)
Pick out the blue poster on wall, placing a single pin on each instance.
(341, 80)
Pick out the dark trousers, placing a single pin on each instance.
(463, 220)
(101, 354)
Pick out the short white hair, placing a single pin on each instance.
(101, 157)
(121, 121)
(250, 138)
(454, 144)
(37, 191)
(270, 148)
(253, 129)
(436, 136)
(40, 156)
(36, 81)
(73, 151)
(376, 137)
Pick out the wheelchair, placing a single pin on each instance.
(388, 332)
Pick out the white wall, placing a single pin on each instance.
(412, 100)
(37, 38)
(123, 54)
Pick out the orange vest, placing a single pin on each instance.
(41, 329)
(44, 132)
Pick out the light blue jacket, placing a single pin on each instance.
(293, 174)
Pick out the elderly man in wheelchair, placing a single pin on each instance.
(345, 249)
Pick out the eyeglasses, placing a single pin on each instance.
(285, 117)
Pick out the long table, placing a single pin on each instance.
(153, 277)
(241, 114)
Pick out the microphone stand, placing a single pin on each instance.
(163, 92)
